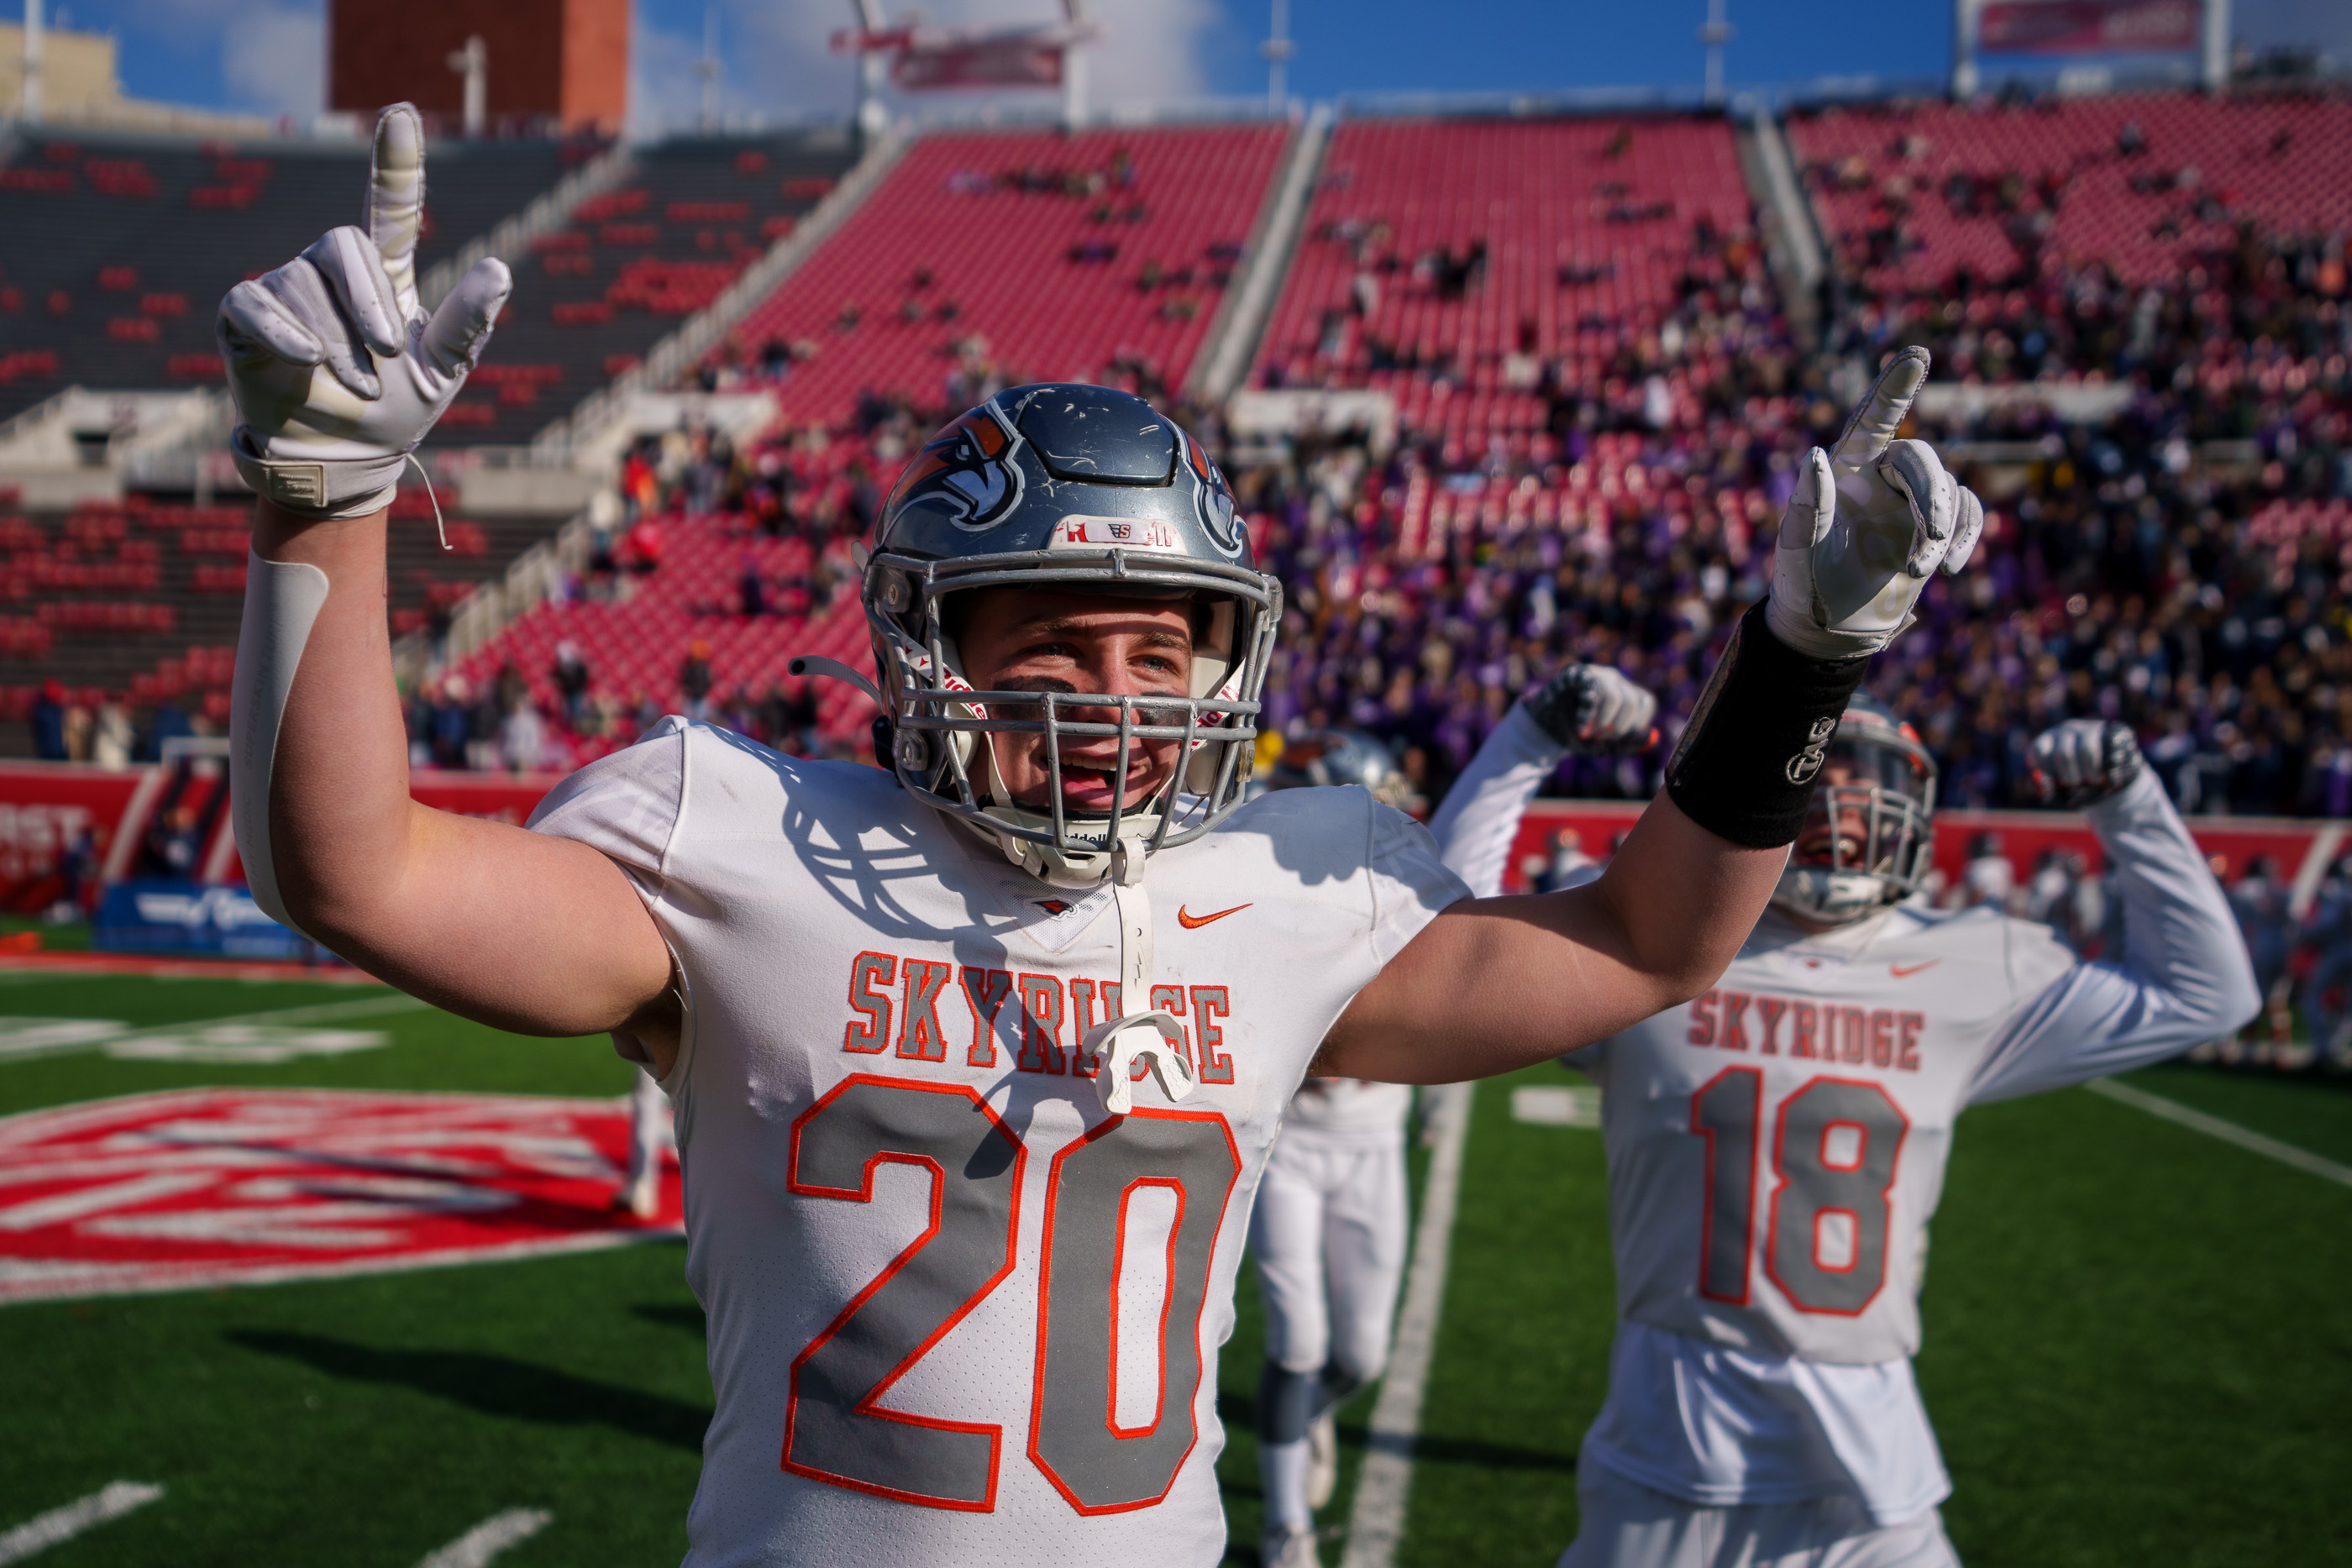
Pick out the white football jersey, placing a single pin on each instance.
(1777, 1146)
(956, 1313)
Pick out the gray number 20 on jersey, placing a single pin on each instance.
(835, 1429)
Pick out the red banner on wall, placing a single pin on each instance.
(65, 828)
(2301, 848)
(2089, 26)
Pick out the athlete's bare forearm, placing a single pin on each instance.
(1495, 984)
(529, 932)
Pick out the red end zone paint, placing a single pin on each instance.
(226, 1187)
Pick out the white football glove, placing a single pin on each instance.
(1593, 710)
(1871, 520)
(2083, 761)
(336, 370)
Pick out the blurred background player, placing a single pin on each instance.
(1328, 1233)
(1776, 1147)
(2260, 902)
(1566, 866)
(2327, 988)
(1987, 878)
(653, 1134)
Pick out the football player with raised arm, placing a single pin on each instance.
(1328, 1231)
(971, 1097)
(1777, 1145)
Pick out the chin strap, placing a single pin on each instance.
(1154, 1035)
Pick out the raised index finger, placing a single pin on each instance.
(1880, 414)
(395, 199)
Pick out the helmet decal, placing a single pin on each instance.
(966, 472)
(1215, 500)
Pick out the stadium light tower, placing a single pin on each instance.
(706, 67)
(1074, 66)
(1278, 50)
(28, 99)
(1964, 50)
(473, 63)
(2214, 66)
(872, 119)
(1714, 35)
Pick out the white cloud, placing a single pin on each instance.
(274, 60)
(778, 59)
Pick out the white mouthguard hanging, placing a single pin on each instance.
(1154, 1035)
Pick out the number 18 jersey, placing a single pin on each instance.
(956, 1313)
(1777, 1146)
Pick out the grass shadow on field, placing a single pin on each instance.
(493, 1386)
(686, 1317)
(1472, 1451)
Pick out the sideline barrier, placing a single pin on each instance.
(65, 825)
(2304, 848)
(45, 807)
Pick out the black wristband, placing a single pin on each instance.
(1744, 767)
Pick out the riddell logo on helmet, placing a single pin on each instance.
(1808, 762)
(1081, 532)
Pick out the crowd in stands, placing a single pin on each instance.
(2179, 562)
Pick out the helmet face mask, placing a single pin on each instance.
(1089, 492)
(1868, 839)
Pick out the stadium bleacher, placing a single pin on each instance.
(114, 250)
(1458, 263)
(631, 264)
(1600, 403)
(2141, 182)
(1022, 255)
(138, 603)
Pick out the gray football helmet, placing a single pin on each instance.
(1869, 837)
(1092, 490)
(1339, 757)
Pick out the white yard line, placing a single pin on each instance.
(316, 1012)
(59, 1525)
(1376, 1522)
(2228, 1132)
(489, 1538)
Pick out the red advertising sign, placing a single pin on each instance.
(50, 811)
(2089, 26)
(231, 1187)
(1010, 59)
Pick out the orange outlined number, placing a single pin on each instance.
(836, 1427)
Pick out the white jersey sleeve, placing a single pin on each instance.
(2183, 975)
(906, 1209)
(1479, 821)
(627, 804)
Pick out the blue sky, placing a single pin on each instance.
(268, 55)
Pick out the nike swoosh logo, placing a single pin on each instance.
(1194, 922)
(1905, 971)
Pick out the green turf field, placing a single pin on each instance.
(2139, 1346)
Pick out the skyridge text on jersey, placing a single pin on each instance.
(1861, 1037)
(894, 1001)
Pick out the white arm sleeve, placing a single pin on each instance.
(2183, 975)
(282, 600)
(1480, 819)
